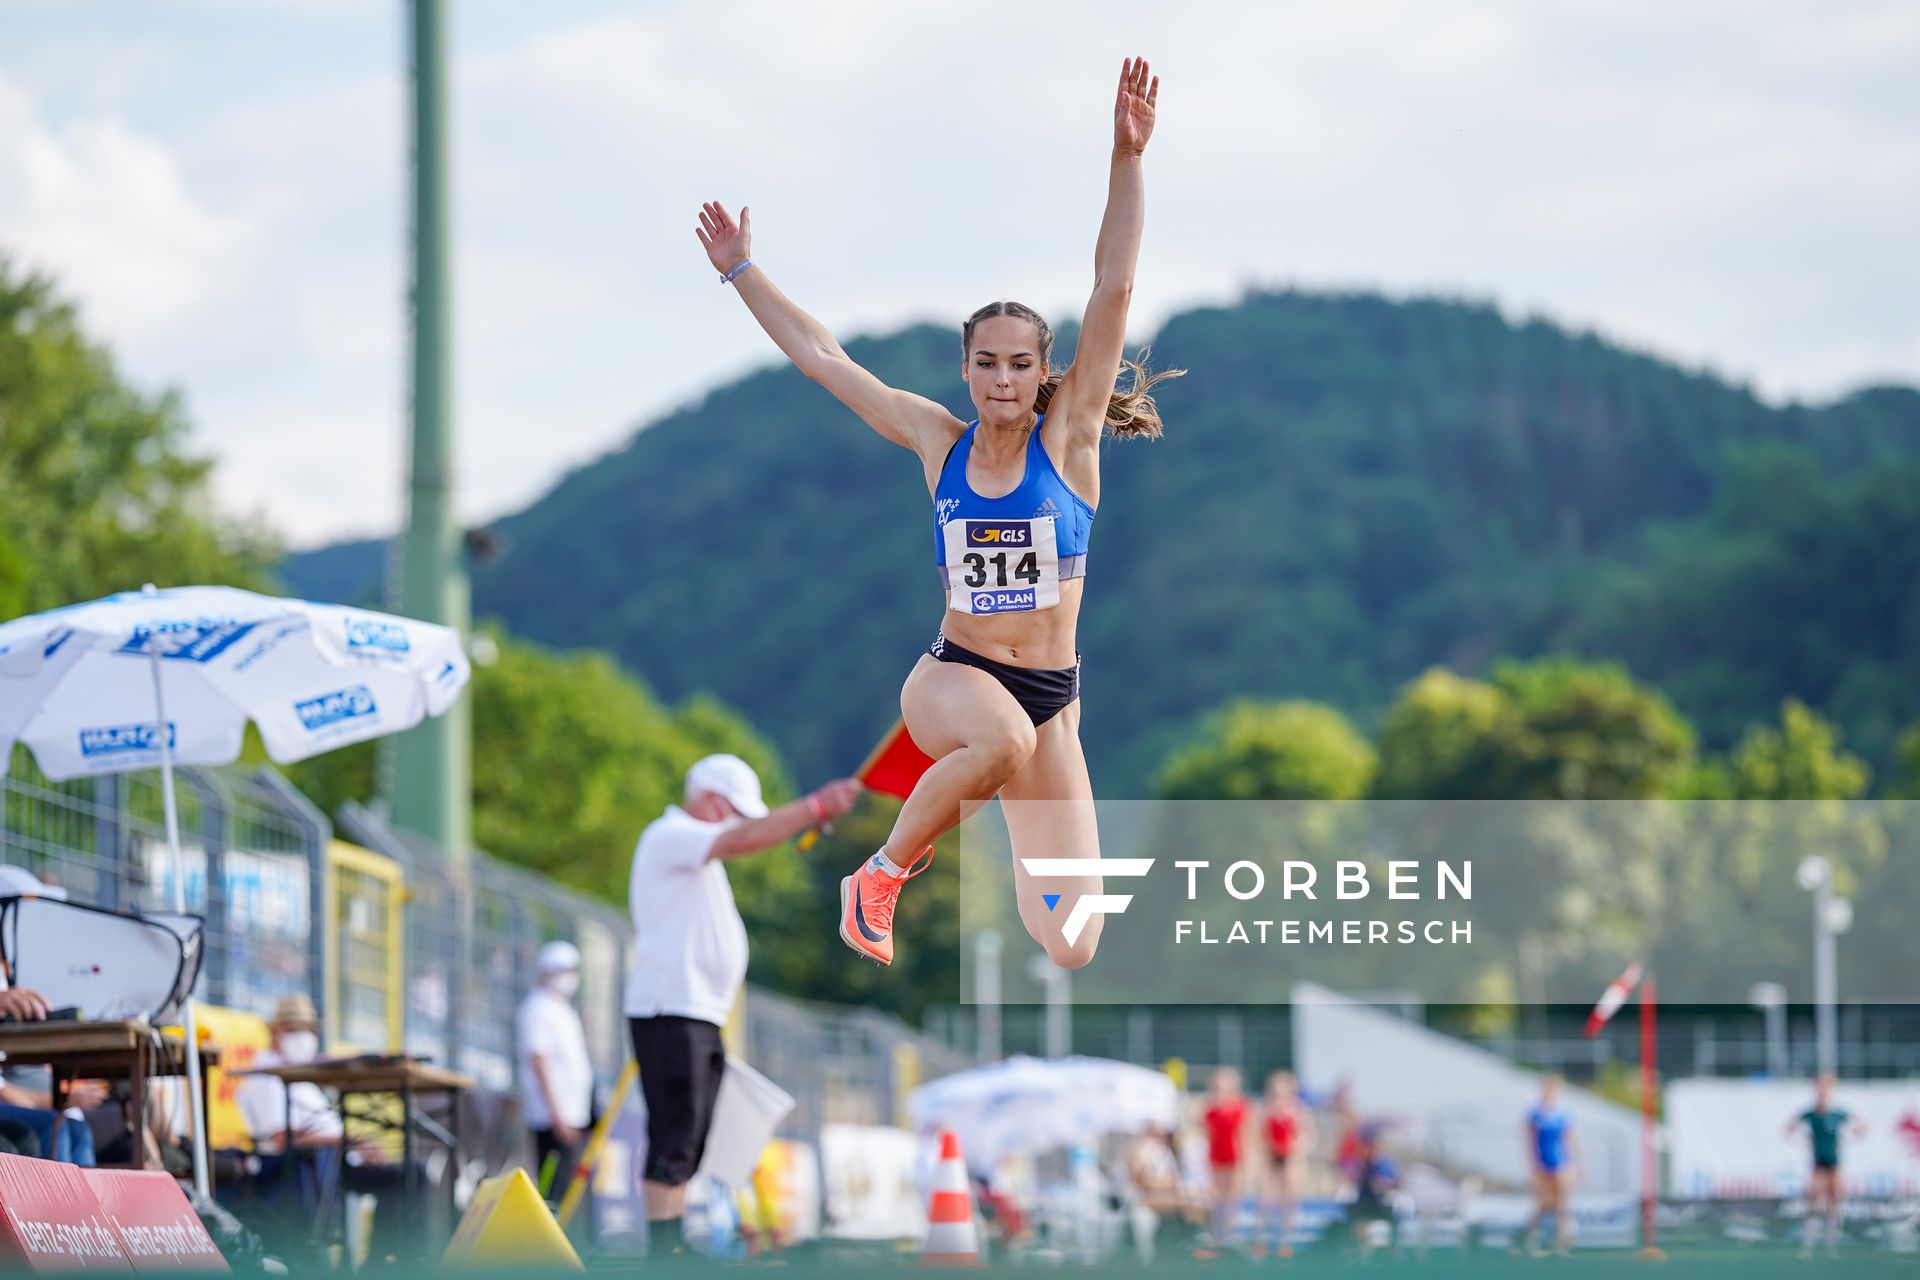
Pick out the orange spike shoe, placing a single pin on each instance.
(867, 900)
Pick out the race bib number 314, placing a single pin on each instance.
(1002, 566)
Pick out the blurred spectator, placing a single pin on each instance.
(1826, 1124)
(1290, 1138)
(1003, 1216)
(29, 1126)
(1154, 1167)
(1374, 1182)
(1346, 1152)
(690, 960)
(1550, 1156)
(556, 1073)
(272, 1108)
(1226, 1120)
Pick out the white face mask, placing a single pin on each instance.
(565, 983)
(300, 1046)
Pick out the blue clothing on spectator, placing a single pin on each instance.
(1550, 1136)
(69, 1141)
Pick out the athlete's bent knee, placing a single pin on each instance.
(1077, 954)
(1003, 755)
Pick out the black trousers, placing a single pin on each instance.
(681, 1061)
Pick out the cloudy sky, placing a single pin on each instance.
(222, 188)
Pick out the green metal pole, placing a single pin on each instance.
(433, 768)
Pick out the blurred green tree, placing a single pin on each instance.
(1433, 740)
(1554, 729)
(1908, 786)
(98, 489)
(572, 758)
(1272, 751)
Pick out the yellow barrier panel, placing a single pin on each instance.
(509, 1225)
(240, 1036)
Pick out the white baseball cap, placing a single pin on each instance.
(18, 882)
(558, 957)
(732, 778)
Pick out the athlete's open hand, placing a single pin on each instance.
(726, 241)
(1133, 108)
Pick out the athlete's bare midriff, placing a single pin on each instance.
(1044, 638)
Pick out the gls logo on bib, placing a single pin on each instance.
(991, 533)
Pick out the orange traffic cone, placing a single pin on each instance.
(950, 1237)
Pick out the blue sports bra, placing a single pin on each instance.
(998, 546)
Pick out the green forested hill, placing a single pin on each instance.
(1351, 489)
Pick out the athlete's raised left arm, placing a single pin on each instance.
(1088, 385)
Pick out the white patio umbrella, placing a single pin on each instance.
(155, 678)
(1025, 1105)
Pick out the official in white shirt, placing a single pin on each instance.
(690, 957)
(556, 1075)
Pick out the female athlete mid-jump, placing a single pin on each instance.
(993, 700)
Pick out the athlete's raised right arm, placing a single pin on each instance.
(901, 416)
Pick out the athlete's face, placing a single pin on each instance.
(1004, 370)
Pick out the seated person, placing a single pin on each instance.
(268, 1104)
(1154, 1166)
(29, 1126)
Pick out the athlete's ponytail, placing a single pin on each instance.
(1131, 414)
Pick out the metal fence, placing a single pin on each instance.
(290, 910)
(252, 850)
(474, 929)
(1876, 1041)
(842, 1066)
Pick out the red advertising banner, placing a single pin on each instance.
(50, 1220)
(159, 1231)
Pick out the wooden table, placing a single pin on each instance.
(130, 1051)
(405, 1076)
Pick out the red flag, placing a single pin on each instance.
(1611, 999)
(895, 765)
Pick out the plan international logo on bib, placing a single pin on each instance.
(1003, 601)
(332, 708)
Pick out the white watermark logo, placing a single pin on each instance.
(1087, 905)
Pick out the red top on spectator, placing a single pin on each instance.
(1283, 1130)
(1224, 1120)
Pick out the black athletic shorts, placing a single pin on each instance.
(1042, 692)
(681, 1063)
